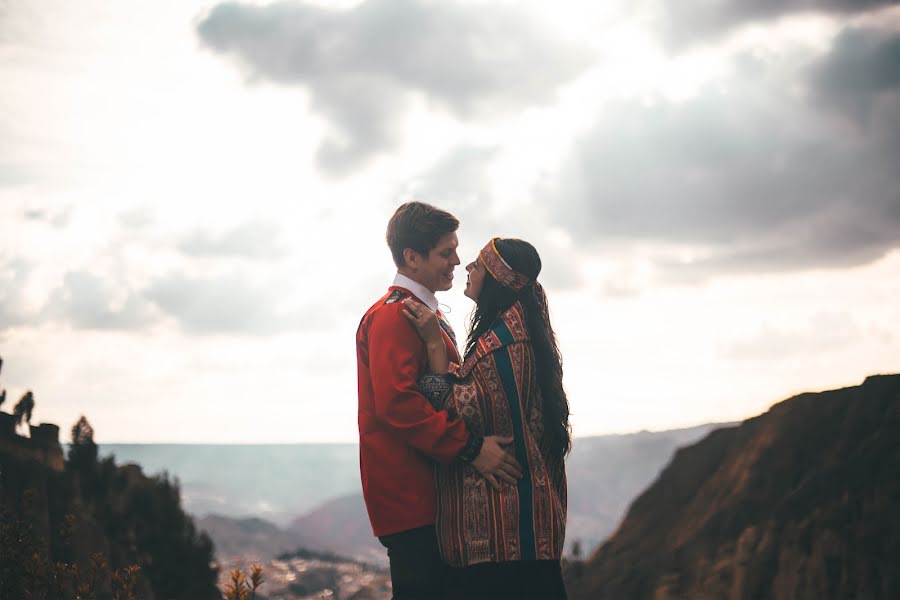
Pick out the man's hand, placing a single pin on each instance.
(493, 462)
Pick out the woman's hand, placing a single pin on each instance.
(425, 321)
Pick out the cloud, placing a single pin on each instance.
(14, 274)
(823, 333)
(250, 240)
(861, 72)
(87, 301)
(229, 304)
(698, 20)
(14, 169)
(137, 218)
(83, 300)
(58, 219)
(460, 184)
(362, 66)
(767, 176)
(12, 173)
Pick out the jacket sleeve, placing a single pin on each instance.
(439, 389)
(395, 356)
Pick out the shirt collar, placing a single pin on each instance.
(421, 292)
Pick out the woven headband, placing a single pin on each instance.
(500, 269)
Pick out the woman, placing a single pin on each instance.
(505, 540)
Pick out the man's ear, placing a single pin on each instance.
(411, 258)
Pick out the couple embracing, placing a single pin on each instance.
(462, 456)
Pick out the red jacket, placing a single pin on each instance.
(399, 432)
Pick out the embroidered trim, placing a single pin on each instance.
(436, 389)
(448, 330)
(395, 296)
(473, 446)
(500, 269)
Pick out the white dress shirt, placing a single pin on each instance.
(421, 292)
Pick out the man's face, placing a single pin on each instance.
(435, 271)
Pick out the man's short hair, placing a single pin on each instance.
(418, 226)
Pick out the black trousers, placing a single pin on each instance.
(417, 571)
(513, 580)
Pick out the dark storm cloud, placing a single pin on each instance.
(362, 65)
(694, 21)
(862, 69)
(228, 305)
(250, 240)
(763, 177)
(87, 301)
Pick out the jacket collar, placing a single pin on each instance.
(418, 290)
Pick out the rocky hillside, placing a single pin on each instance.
(249, 539)
(802, 502)
(341, 526)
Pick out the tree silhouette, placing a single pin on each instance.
(23, 409)
(143, 518)
(2, 393)
(82, 432)
(576, 550)
(83, 451)
(137, 521)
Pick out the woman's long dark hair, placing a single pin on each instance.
(492, 301)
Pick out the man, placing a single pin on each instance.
(400, 434)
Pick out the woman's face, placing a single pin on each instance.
(476, 272)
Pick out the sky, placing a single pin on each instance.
(194, 194)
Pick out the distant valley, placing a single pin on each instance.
(276, 482)
(261, 500)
